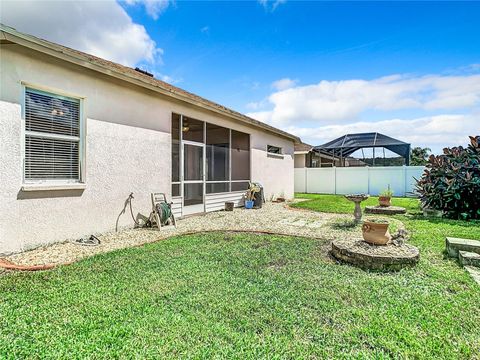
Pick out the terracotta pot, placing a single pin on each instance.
(375, 233)
(384, 201)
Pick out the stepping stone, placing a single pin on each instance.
(469, 258)
(454, 245)
(315, 224)
(474, 273)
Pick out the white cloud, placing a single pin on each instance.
(435, 132)
(256, 105)
(102, 28)
(284, 84)
(167, 78)
(271, 5)
(153, 7)
(333, 101)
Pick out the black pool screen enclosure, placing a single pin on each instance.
(346, 145)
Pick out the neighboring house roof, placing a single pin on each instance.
(302, 148)
(8, 34)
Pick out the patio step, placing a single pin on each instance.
(454, 245)
(469, 258)
(474, 273)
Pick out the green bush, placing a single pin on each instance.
(451, 182)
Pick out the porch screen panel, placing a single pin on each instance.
(52, 136)
(175, 155)
(192, 130)
(217, 158)
(240, 154)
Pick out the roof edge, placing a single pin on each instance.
(75, 57)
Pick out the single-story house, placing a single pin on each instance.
(305, 155)
(78, 134)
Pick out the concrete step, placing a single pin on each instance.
(469, 258)
(454, 245)
(474, 273)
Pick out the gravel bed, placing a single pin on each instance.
(273, 217)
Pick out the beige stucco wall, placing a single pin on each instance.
(299, 160)
(127, 150)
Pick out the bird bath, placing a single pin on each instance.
(357, 199)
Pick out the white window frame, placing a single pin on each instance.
(53, 184)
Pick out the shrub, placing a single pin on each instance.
(451, 182)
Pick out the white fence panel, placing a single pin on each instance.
(383, 177)
(299, 180)
(320, 180)
(368, 180)
(413, 172)
(351, 180)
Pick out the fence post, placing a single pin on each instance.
(404, 180)
(306, 183)
(335, 178)
(368, 180)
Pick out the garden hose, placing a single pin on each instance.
(130, 197)
(164, 211)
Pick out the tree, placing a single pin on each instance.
(419, 156)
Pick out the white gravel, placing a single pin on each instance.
(273, 217)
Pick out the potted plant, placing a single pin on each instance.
(385, 197)
(375, 231)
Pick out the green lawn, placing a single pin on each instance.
(244, 296)
(339, 204)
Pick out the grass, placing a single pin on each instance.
(245, 296)
(339, 204)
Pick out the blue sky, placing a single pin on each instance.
(317, 69)
(231, 52)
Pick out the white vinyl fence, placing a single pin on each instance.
(358, 180)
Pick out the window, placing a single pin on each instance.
(52, 137)
(274, 150)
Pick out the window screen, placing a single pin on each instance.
(240, 156)
(52, 136)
